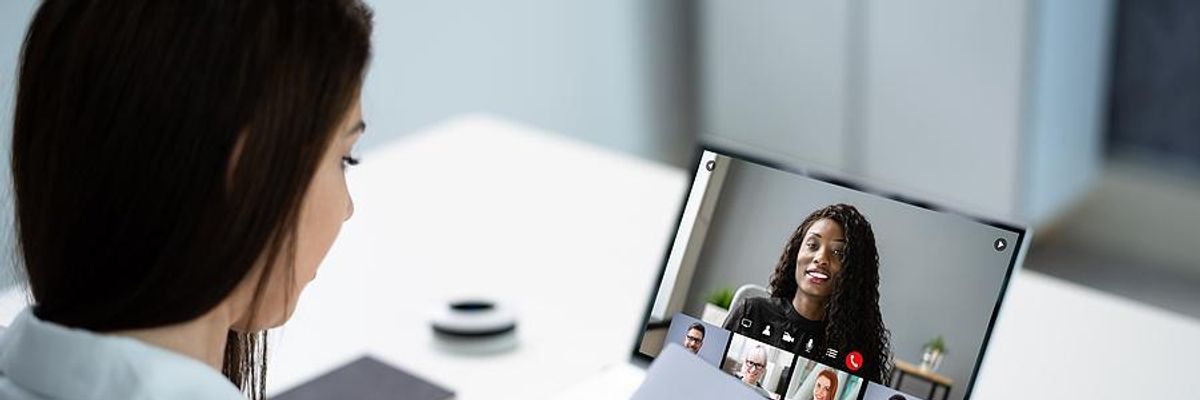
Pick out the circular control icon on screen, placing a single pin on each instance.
(854, 361)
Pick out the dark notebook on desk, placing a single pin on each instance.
(367, 379)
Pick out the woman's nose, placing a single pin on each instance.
(349, 207)
(821, 257)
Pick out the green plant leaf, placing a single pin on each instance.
(722, 297)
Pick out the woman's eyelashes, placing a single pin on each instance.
(349, 161)
(813, 246)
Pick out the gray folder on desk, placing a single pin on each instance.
(679, 374)
(367, 379)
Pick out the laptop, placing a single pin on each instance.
(802, 285)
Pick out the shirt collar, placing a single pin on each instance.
(60, 362)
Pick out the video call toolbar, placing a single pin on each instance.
(781, 364)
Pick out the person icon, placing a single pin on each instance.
(693, 339)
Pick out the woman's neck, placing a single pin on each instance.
(809, 307)
(202, 338)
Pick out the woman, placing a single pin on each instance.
(824, 293)
(754, 366)
(826, 386)
(178, 172)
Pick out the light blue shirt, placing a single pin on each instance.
(43, 360)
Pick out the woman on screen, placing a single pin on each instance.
(824, 293)
(826, 386)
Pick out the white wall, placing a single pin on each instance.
(602, 71)
(943, 96)
(773, 77)
(992, 106)
(1067, 107)
(15, 15)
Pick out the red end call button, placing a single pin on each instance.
(854, 361)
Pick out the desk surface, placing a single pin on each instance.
(572, 236)
(568, 233)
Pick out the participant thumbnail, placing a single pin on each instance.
(759, 365)
(700, 338)
(879, 392)
(812, 380)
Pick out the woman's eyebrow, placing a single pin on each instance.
(818, 235)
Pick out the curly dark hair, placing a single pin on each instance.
(852, 314)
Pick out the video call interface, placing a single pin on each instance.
(807, 290)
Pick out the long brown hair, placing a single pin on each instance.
(853, 320)
(131, 210)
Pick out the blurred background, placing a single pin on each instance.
(1079, 117)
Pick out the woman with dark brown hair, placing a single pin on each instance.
(178, 172)
(824, 294)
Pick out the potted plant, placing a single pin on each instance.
(935, 350)
(717, 306)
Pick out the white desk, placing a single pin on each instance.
(573, 235)
(1059, 340)
(570, 234)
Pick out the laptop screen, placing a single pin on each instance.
(805, 287)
